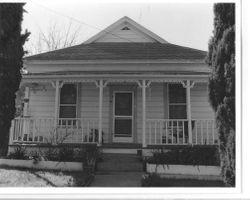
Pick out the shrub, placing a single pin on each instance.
(151, 180)
(51, 154)
(187, 156)
(19, 153)
(88, 155)
(66, 154)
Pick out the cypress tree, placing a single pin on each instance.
(221, 59)
(11, 54)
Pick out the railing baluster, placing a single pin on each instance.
(207, 131)
(33, 132)
(17, 129)
(196, 133)
(172, 130)
(160, 126)
(82, 130)
(183, 132)
(155, 132)
(93, 128)
(177, 133)
(72, 130)
(166, 124)
(213, 127)
(150, 131)
(22, 131)
(202, 132)
(88, 130)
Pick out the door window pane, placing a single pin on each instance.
(123, 104)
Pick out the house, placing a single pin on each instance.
(123, 86)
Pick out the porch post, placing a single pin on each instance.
(56, 103)
(189, 85)
(57, 85)
(26, 102)
(144, 113)
(189, 113)
(100, 84)
(144, 84)
(26, 122)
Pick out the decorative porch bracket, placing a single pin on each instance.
(100, 84)
(57, 85)
(188, 84)
(143, 84)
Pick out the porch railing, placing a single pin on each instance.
(47, 130)
(175, 132)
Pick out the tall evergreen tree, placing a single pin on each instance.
(11, 54)
(221, 58)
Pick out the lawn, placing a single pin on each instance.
(40, 178)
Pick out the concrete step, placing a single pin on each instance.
(119, 162)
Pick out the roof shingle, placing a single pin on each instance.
(121, 51)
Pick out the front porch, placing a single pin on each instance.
(151, 118)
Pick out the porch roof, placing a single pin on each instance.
(121, 51)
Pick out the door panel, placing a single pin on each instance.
(123, 127)
(123, 116)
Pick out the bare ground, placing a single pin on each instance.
(40, 178)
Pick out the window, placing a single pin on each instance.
(68, 101)
(125, 28)
(177, 108)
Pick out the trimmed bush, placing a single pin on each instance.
(187, 156)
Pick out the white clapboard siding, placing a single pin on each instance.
(200, 106)
(42, 101)
(131, 35)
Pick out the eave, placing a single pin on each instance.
(77, 62)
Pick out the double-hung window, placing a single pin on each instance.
(177, 112)
(68, 104)
(177, 105)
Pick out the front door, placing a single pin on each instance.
(123, 116)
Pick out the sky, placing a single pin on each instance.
(189, 24)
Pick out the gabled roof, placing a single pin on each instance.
(157, 49)
(125, 21)
(122, 51)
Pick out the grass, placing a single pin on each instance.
(40, 178)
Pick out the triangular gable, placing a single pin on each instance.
(125, 30)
